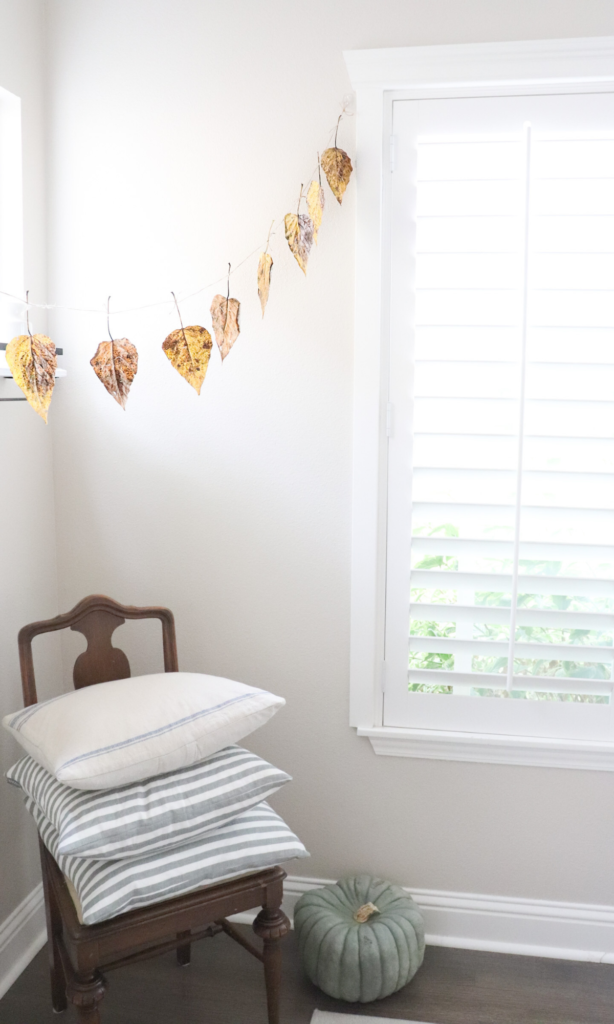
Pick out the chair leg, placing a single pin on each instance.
(54, 931)
(59, 1001)
(86, 992)
(184, 952)
(272, 926)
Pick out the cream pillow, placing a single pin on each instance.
(110, 734)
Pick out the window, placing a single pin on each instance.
(11, 220)
(493, 583)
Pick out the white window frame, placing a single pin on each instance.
(379, 77)
(11, 217)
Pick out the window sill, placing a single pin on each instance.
(537, 751)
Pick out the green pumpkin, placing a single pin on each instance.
(361, 939)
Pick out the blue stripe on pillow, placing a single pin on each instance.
(154, 732)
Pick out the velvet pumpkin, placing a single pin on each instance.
(361, 939)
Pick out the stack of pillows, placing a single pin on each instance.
(140, 793)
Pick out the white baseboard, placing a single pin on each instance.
(22, 934)
(499, 924)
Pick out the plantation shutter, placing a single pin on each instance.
(511, 441)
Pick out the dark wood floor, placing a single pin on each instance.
(224, 985)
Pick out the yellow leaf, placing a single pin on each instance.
(225, 319)
(265, 265)
(315, 205)
(299, 232)
(188, 349)
(32, 361)
(115, 364)
(337, 167)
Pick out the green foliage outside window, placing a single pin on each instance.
(543, 666)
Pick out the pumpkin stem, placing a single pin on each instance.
(364, 913)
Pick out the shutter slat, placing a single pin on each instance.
(550, 618)
(572, 476)
(491, 680)
(448, 509)
(575, 404)
(569, 586)
(522, 649)
(503, 548)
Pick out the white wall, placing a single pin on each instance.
(178, 130)
(28, 588)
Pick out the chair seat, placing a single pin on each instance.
(148, 926)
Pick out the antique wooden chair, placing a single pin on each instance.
(78, 954)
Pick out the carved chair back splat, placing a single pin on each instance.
(78, 954)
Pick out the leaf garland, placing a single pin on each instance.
(315, 205)
(115, 364)
(189, 349)
(265, 266)
(299, 233)
(32, 358)
(225, 319)
(337, 167)
(32, 361)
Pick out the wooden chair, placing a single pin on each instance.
(78, 954)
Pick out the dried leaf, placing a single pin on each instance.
(115, 364)
(337, 167)
(32, 361)
(188, 349)
(315, 205)
(225, 319)
(265, 265)
(299, 232)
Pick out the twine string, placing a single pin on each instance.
(47, 306)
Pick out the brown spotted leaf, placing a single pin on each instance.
(115, 364)
(265, 266)
(337, 167)
(32, 361)
(225, 319)
(299, 232)
(188, 349)
(315, 205)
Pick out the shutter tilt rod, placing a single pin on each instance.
(521, 398)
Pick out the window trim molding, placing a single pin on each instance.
(11, 201)
(378, 76)
(490, 748)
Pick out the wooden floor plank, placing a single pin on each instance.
(224, 985)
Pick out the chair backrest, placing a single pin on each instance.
(97, 617)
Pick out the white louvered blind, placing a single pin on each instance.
(512, 581)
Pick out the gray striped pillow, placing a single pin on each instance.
(257, 839)
(112, 824)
